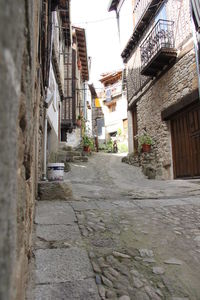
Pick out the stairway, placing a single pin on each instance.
(67, 154)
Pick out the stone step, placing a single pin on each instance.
(72, 153)
(80, 158)
(54, 190)
(63, 146)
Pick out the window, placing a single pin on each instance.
(125, 125)
(112, 107)
(162, 15)
(108, 95)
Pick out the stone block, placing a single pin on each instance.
(56, 190)
(49, 233)
(61, 265)
(149, 171)
(80, 158)
(80, 289)
(59, 213)
(67, 167)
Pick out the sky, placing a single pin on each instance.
(102, 35)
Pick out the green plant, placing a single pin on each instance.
(145, 138)
(87, 141)
(119, 131)
(109, 146)
(122, 147)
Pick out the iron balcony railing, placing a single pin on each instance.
(160, 37)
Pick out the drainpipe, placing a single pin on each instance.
(118, 27)
(44, 176)
(47, 99)
(84, 99)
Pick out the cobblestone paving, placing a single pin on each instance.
(142, 237)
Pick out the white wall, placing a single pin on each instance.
(114, 120)
(74, 138)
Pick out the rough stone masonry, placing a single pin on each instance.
(19, 113)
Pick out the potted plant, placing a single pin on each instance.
(145, 142)
(87, 143)
(78, 121)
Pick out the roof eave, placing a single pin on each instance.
(113, 5)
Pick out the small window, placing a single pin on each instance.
(162, 14)
(112, 107)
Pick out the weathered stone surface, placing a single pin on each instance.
(158, 270)
(58, 232)
(72, 290)
(63, 146)
(61, 265)
(137, 282)
(151, 293)
(96, 268)
(19, 138)
(173, 261)
(130, 276)
(119, 254)
(106, 281)
(146, 252)
(102, 291)
(80, 158)
(67, 167)
(140, 295)
(149, 260)
(125, 297)
(110, 295)
(98, 279)
(57, 190)
(180, 298)
(59, 212)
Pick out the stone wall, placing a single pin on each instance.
(19, 128)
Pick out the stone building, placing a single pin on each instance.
(31, 88)
(76, 76)
(162, 87)
(114, 106)
(97, 116)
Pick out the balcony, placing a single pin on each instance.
(158, 49)
(144, 11)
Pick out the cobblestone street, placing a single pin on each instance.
(120, 237)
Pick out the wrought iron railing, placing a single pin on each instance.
(161, 36)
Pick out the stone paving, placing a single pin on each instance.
(121, 236)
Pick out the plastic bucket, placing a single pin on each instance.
(55, 171)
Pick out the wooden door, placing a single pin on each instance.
(185, 129)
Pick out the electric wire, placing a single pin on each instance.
(106, 19)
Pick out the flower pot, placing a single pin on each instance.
(78, 123)
(146, 148)
(86, 148)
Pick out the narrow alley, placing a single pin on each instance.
(120, 236)
(100, 149)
